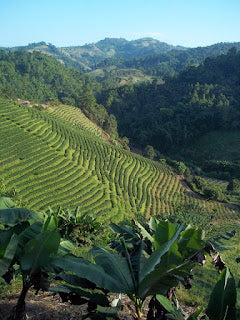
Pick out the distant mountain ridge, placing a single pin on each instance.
(119, 61)
(89, 55)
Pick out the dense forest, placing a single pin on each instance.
(38, 78)
(200, 99)
(170, 63)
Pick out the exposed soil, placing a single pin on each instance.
(45, 306)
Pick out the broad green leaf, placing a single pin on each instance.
(75, 280)
(92, 272)
(114, 264)
(165, 303)
(126, 232)
(39, 251)
(31, 232)
(50, 223)
(191, 241)
(144, 232)
(153, 222)
(14, 216)
(175, 314)
(223, 298)
(160, 280)
(109, 311)
(8, 255)
(94, 295)
(6, 203)
(156, 256)
(65, 247)
(130, 265)
(163, 233)
(5, 236)
(136, 260)
(218, 242)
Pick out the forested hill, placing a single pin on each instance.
(168, 64)
(147, 55)
(38, 77)
(199, 100)
(87, 56)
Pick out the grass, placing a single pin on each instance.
(206, 277)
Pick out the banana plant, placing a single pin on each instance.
(29, 240)
(136, 272)
(224, 299)
(6, 202)
(174, 313)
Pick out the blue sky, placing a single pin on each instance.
(76, 22)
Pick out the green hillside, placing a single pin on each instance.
(50, 162)
(218, 145)
(76, 118)
(180, 111)
(39, 78)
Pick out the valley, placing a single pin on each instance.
(119, 174)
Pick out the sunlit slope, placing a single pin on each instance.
(76, 118)
(51, 163)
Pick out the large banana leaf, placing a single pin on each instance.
(191, 241)
(115, 264)
(94, 273)
(94, 295)
(8, 254)
(6, 203)
(163, 233)
(222, 301)
(76, 281)
(156, 256)
(29, 233)
(145, 234)
(50, 223)
(14, 216)
(38, 251)
(5, 236)
(160, 280)
(65, 247)
(174, 313)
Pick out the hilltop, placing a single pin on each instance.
(89, 55)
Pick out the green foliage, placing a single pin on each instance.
(6, 203)
(38, 78)
(82, 229)
(199, 182)
(66, 161)
(174, 313)
(212, 193)
(234, 185)
(149, 152)
(29, 241)
(223, 298)
(132, 271)
(205, 99)
(178, 166)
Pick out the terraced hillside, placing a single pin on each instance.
(51, 162)
(76, 118)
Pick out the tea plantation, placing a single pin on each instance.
(58, 157)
